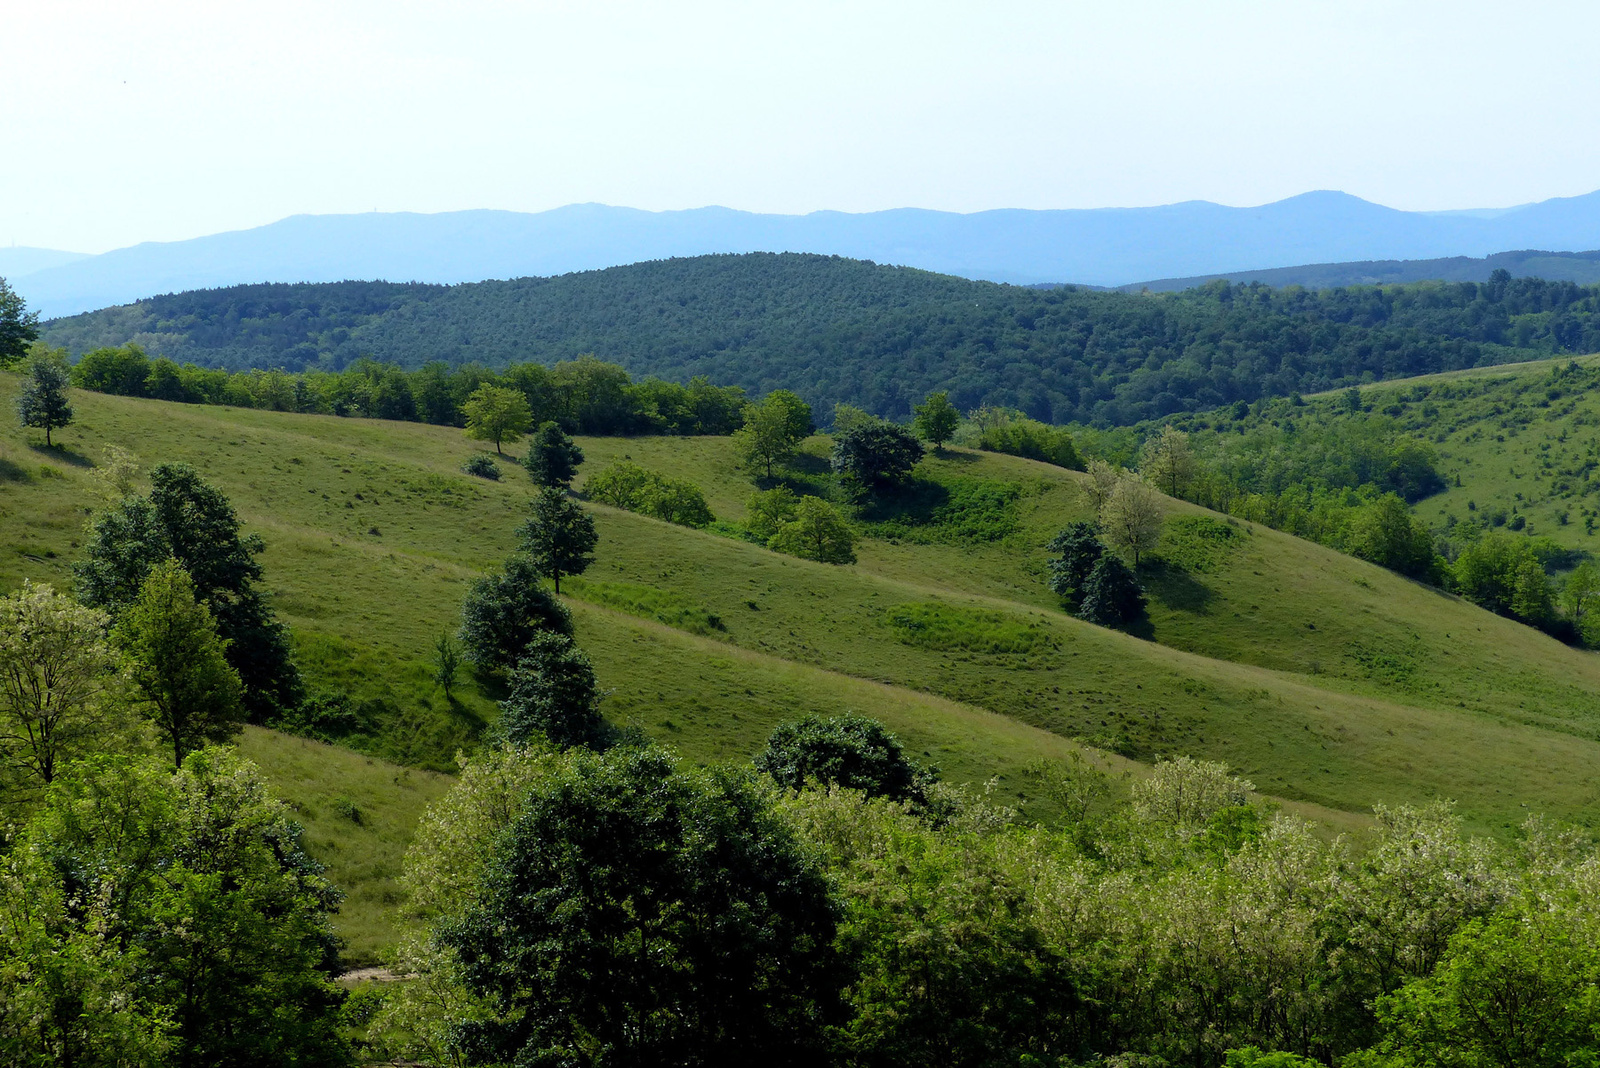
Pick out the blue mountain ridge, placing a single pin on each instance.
(1101, 246)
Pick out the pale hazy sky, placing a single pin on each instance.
(128, 121)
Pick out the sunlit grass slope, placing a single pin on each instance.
(359, 815)
(1324, 679)
(1519, 445)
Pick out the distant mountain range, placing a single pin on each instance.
(1102, 247)
(1580, 267)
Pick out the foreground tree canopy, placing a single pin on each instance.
(154, 918)
(1174, 921)
(637, 912)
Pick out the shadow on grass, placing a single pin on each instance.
(491, 685)
(956, 456)
(65, 453)
(466, 715)
(11, 471)
(1176, 588)
(914, 504)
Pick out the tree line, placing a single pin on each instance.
(584, 395)
(845, 331)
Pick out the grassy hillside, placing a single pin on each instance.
(1521, 449)
(1326, 680)
(835, 329)
(1517, 445)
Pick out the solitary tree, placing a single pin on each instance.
(1110, 596)
(504, 611)
(446, 662)
(43, 403)
(936, 419)
(19, 327)
(659, 914)
(553, 457)
(875, 457)
(1131, 518)
(1074, 552)
(559, 536)
(116, 475)
(553, 693)
(497, 414)
(848, 751)
(796, 412)
(1167, 461)
(56, 678)
(817, 532)
(176, 660)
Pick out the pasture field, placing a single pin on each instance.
(1334, 685)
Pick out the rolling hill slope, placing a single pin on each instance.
(1326, 680)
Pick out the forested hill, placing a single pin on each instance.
(835, 329)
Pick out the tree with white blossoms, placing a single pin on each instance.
(1183, 794)
(1103, 478)
(1131, 519)
(58, 684)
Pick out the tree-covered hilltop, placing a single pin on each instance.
(839, 330)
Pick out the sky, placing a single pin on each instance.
(137, 121)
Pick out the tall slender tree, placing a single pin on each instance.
(176, 660)
(559, 536)
(553, 457)
(43, 402)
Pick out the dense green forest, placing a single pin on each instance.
(838, 330)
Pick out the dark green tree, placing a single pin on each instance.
(936, 418)
(1386, 533)
(559, 537)
(42, 402)
(875, 457)
(850, 751)
(446, 661)
(1111, 595)
(1073, 554)
(186, 518)
(504, 611)
(19, 327)
(637, 912)
(553, 693)
(553, 457)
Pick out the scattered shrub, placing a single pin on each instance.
(482, 465)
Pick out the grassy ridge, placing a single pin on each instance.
(1324, 679)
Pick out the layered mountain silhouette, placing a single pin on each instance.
(1104, 247)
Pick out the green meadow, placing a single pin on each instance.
(1332, 684)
